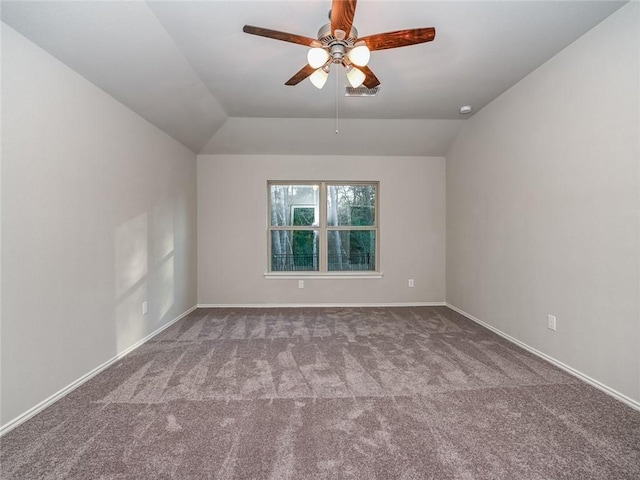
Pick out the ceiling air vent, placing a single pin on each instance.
(361, 91)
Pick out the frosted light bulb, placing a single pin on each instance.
(355, 77)
(317, 57)
(359, 55)
(319, 78)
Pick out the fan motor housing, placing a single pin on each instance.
(325, 36)
(337, 47)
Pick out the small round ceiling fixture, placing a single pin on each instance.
(465, 110)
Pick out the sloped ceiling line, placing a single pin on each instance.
(188, 68)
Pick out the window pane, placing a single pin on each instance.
(294, 205)
(351, 205)
(351, 250)
(303, 215)
(294, 250)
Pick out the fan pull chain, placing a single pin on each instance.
(337, 131)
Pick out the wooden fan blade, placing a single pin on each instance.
(301, 75)
(342, 12)
(370, 81)
(401, 38)
(285, 37)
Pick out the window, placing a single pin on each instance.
(323, 226)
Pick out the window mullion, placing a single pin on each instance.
(324, 241)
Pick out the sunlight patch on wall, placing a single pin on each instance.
(131, 254)
(161, 230)
(130, 324)
(167, 286)
(131, 270)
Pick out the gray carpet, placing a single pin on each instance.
(362, 393)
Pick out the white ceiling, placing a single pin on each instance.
(187, 67)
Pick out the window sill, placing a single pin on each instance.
(321, 276)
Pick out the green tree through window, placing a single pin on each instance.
(339, 237)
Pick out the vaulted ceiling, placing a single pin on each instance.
(187, 67)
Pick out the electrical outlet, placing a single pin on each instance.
(300, 283)
(551, 322)
(411, 283)
(145, 308)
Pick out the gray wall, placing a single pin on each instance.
(542, 192)
(543, 207)
(98, 215)
(232, 217)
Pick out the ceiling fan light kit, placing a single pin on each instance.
(317, 57)
(355, 76)
(319, 78)
(335, 45)
(359, 55)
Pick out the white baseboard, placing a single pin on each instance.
(69, 388)
(72, 386)
(576, 373)
(319, 305)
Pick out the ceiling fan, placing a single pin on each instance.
(338, 43)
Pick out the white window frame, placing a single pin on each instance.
(323, 230)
